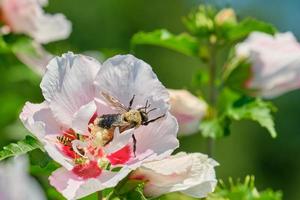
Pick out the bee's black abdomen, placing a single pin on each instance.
(106, 121)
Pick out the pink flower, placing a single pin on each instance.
(188, 110)
(73, 87)
(15, 182)
(275, 63)
(192, 174)
(28, 17)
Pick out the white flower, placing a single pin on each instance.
(28, 17)
(192, 174)
(188, 110)
(72, 87)
(275, 63)
(15, 182)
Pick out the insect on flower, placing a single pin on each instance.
(102, 129)
(90, 132)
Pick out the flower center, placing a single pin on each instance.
(87, 152)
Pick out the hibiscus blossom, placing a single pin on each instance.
(188, 110)
(192, 174)
(27, 17)
(275, 63)
(15, 182)
(67, 122)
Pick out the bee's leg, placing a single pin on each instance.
(134, 144)
(131, 102)
(153, 120)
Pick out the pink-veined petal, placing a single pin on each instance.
(73, 187)
(68, 84)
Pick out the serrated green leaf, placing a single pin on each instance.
(183, 43)
(254, 109)
(19, 148)
(248, 25)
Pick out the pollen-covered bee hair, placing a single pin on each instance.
(127, 117)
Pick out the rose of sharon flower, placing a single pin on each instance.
(192, 174)
(188, 110)
(66, 122)
(275, 63)
(28, 17)
(16, 184)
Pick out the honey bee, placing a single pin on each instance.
(64, 140)
(68, 138)
(127, 118)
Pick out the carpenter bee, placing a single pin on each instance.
(127, 118)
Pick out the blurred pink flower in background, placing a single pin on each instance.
(192, 174)
(27, 17)
(72, 87)
(16, 183)
(36, 59)
(275, 63)
(188, 110)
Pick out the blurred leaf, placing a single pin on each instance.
(44, 170)
(236, 74)
(216, 127)
(201, 21)
(19, 148)
(3, 46)
(183, 43)
(242, 191)
(248, 25)
(254, 109)
(175, 195)
(127, 189)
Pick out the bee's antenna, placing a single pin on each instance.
(151, 110)
(131, 102)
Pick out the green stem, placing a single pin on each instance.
(212, 96)
(100, 196)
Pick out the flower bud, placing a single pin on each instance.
(188, 110)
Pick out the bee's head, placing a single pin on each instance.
(144, 116)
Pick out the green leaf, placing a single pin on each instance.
(236, 74)
(248, 25)
(183, 43)
(3, 46)
(246, 190)
(19, 148)
(216, 127)
(254, 109)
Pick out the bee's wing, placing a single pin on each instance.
(114, 102)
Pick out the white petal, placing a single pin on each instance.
(73, 187)
(275, 62)
(28, 17)
(39, 120)
(120, 140)
(82, 117)
(192, 174)
(51, 28)
(56, 154)
(15, 180)
(159, 136)
(68, 84)
(125, 76)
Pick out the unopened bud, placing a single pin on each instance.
(225, 16)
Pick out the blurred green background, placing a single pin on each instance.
(106, 25)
